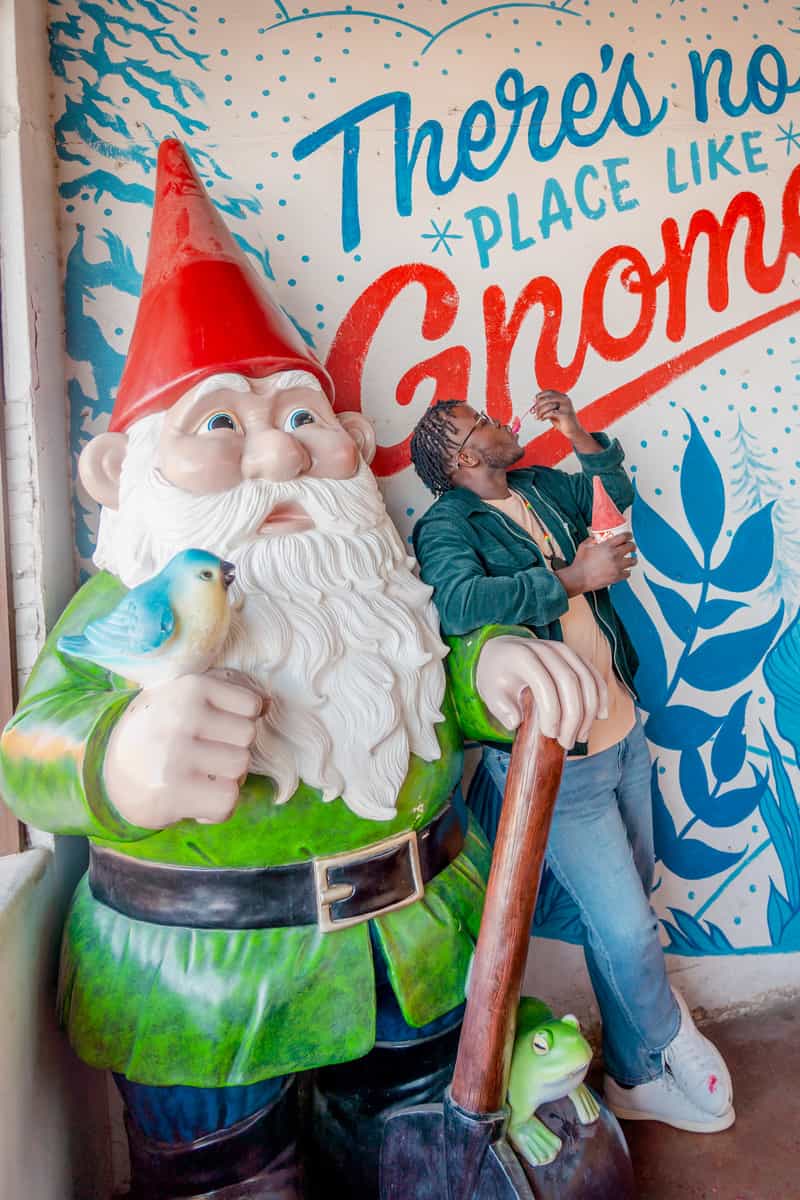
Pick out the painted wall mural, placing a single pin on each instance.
(476, 201)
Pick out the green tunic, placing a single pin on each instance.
(173, 1005)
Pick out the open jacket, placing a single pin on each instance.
(485, 569)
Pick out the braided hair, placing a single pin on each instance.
(434, 439)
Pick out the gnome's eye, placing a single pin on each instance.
(222, 420)
(206, 574)
(300, 416)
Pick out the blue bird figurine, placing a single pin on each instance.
(173, 624)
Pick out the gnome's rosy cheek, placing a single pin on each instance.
(334, 455)
(201, 463)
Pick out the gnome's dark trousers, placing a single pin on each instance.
(275, 1140)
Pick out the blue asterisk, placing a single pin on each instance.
(790, 136)
(442, 237)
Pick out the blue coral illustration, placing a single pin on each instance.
(93, 46)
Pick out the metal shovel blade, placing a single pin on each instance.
(431, 1156)
(438, 1152)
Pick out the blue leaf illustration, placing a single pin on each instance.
(686, 857)
(651, 678)
(782, 843)
(702, 491)
(691, 859)
(787, 848)
(694, 781)
(715, 612)
(730, 744)
(678, 612)
(779, 913)
(782, 675)
(723, 661)
(747, 563)
(680, 727)
(662, 546)
(790, 938)
(664, 831)
(692, 937)
(725, 809)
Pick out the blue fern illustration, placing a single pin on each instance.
(710, 660)
(782, 815)
(756, 481)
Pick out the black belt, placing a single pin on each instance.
(332, 892)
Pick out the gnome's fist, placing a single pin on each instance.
(567, 692)
(181, 750)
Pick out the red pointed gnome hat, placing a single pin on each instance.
(605, 514)
(203, 309)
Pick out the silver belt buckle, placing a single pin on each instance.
(328, 893)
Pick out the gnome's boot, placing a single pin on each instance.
(255, 1159)
(352, 1102)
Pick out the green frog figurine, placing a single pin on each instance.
(550, 1061)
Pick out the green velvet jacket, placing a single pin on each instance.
(484, 568)
(172, 1005)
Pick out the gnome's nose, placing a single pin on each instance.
(228, 573)
(275, 455)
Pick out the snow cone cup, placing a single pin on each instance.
(602, 535)
(607, 520)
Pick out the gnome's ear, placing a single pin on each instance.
(100, 466)
(361, 431)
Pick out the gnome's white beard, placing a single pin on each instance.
(334, 626)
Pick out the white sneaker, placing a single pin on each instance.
(663, 1100)
(697, 1066)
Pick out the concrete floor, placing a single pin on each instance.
(759, 1157)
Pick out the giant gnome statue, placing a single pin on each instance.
(278, 879)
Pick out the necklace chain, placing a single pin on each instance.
(549, 549)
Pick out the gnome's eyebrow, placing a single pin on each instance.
(219, 383)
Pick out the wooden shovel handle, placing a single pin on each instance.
(480, 1080)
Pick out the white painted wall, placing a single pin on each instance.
(720, 987)
(33, 333)
(54, 1142)
(54, 1126)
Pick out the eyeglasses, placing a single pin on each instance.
(481, 419)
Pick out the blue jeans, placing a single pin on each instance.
(601, 852)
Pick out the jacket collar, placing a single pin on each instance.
(464, 502)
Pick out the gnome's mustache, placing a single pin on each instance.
(352, 546)
(332, 505)
(241, 515)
